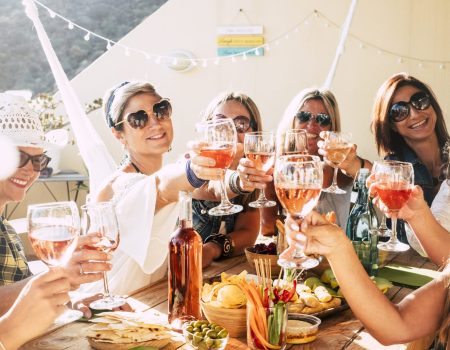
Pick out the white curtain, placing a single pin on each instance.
(95, 155)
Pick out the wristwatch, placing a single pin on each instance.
(225, 243)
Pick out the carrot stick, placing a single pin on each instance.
(263, 341)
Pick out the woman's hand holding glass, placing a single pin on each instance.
(298, 183)
(251, 178)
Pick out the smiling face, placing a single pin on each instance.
(419, 125)
(314, 106)
(15, 187)
(152, 140)
(232, 109)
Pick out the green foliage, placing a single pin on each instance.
(22, 62)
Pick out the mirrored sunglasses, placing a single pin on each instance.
(400, 111)
(320, 118)
(39, 162)
(241, 122)
(138, 120)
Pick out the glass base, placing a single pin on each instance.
(262, 204)
(225, 210)
(304, 262)
(107, 303)
(393, 246)
(334, 189)
(68, 316)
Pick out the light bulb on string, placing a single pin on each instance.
(233, 59)
(267, 47)
(108, 45)
(326, 25)
(244, 56)
(361, 45)
(257, 53)
(378, 52)
(296, 30)
(399, 60)
(51, 13)
(277, 43)
(420, 64)
(70, 25)
(286, 36)
(306, 22)
(87, 36)
(442, 66)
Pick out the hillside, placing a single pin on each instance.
(22, 62)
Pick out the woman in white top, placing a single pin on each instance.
(145, 193)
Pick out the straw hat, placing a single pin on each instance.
(20, 123)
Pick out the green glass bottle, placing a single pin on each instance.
(362, 226)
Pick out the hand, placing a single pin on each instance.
(203, 167)
(83, 305)
(415, 205)
(251, 178)
(211, 251)
(350, 165)
(37, 306)
(316, 235)
(87, 265)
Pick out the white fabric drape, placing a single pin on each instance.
(92, 149)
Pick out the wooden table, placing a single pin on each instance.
(339, 331)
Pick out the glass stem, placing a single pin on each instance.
(394, 228)
(224, 201)
(383, 223)
(106, 292)
(334, 184)
(262, 196)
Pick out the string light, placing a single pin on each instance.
(257, 51)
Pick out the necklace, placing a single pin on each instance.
(135, 167)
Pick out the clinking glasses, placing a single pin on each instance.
(138, 120)
(39, 161)
(321, 118)
(400, 111)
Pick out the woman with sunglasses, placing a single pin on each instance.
(409, 126)
(315, 111)
(22, 125)
(144, 192)
(225, 236)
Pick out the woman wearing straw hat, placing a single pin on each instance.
(22, 126)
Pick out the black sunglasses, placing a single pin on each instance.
(400, 111)
(39, 161)
(321, 118)
(138, 120)
(241, 122)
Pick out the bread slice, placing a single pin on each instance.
(104, 345)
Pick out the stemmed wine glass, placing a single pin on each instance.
(292, 142)
(394, 182)
(218, 139)
(383, 229)
(101, 218)
(53, 229)
(297, 184)
(259, 146)
(337, 145)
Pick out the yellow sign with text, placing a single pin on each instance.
(240, 40)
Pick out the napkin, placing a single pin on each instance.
(407, 275)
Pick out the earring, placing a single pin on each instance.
(170, 148)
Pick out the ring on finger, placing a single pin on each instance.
(81, 269)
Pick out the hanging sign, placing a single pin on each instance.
(235, 40)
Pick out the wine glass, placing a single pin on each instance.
(297, 184)
(337, 145)
(101, 218)
(218, 139)
(384, 231)
(259, 146)
(394, 182)
(53, 229)
(292, 142)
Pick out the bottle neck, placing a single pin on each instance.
(362, 194)
(185, 217)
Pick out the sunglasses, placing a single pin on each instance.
(241, 122)
(138, 120)
(400, 111)
(320, 118)
(39, 161)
